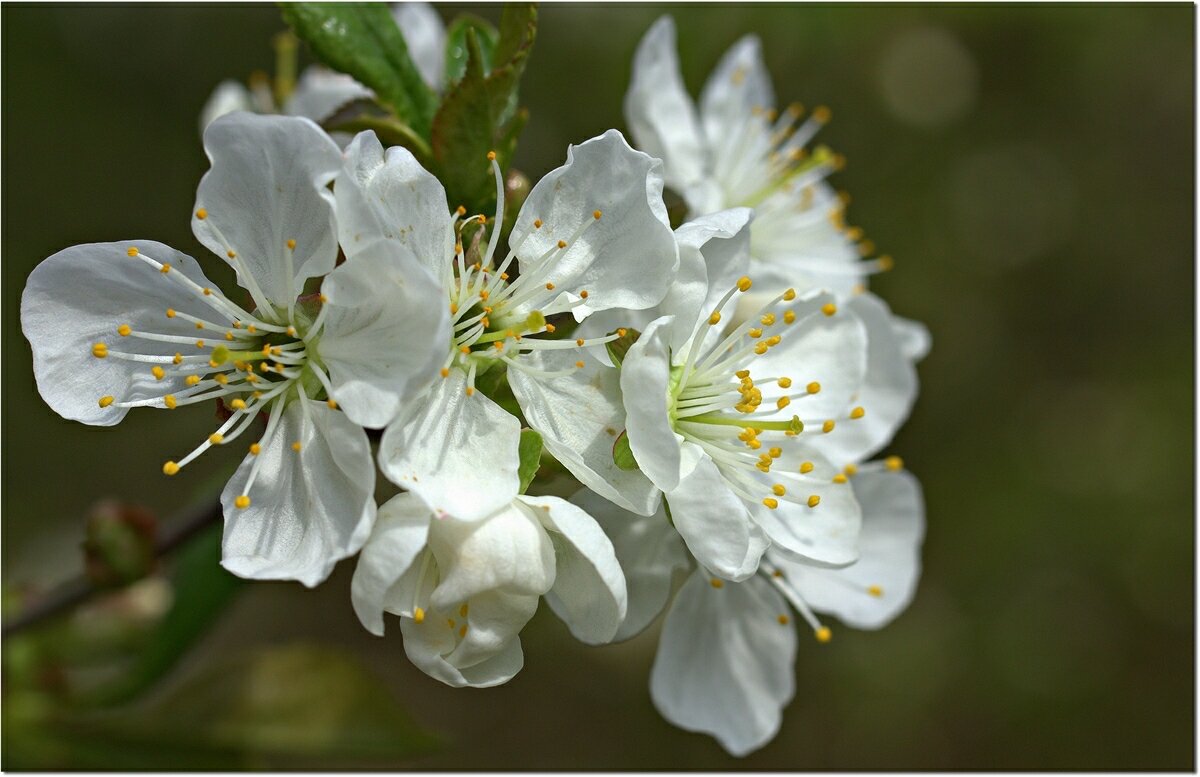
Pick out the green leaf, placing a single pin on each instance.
(290, 707)
(364, 114)
(623, 454)
(456, 45)
(202, 590)
(479, 114)
(530, 452)
(362, 39)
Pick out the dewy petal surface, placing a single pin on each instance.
(310, 507)
(661, 116)
(79, 297)
(589, 592)
(872, 592)
(645, 373)
(724, 662)
(385, 334)
(267, 200)
(713, 520)
(388, 204)
(449, 439)
(397, 539)
(649, 551)
(625, 259)
(580, 416)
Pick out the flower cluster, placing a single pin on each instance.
(719, 389)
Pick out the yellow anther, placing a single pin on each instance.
(789, 317)
(296, 446)
(263, 366)
(124, 330)
(216, 438)
(768, 319)
(498, 345)
(549, 287)
(715, 318)
(166, 268)
(583, 293)
(839, 478)
(761, 348)
(255, 449)
(829, 308)
(813, 388)
(170, 313)
(596, 215)
(579, 364)
(775, 452)
(814, 500)
(199, 324)
(866, 248)
(886, 263)
(744, 283)
(157, 372)
(257, 395)
(170, 468)
(451, 622)
(322, 298)
(770, 503)
(460, 210)
(823, 634)
(806, 467)
(537, 223)
(503, 276)
(105, 401)
(220, 378)
(332, 403)
(782, 402)
(462, 632)
(484, 294)
(291, 244)
(238, 404)
(100, 350)
(857, 413)
(462, 611)
(169, 401)
(778, 489)
(742, 374)
(132, 251)
(621, 332)
(277, 351)
(894, 463)
(785, 383)
(773, 341)
(579, 341)
(291, 331)
(827, 427)
(231, 254)
(851, 469)
(717, 582)
(822, 114)
(242, 502)
(754, 333)
(207, 292)
(875, 590)
(251, 329)
(491, 155)
(229, 336)
(202, 214)
(789, 295)
(470, 391)
(550, 328)
(199, 343)
(562, 243)
(783, 620)
(178, 358)
(464, 349)
(419, 615)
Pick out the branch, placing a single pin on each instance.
(79, 589)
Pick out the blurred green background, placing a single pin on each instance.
(1031, 169)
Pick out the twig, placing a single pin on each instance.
(81, 588)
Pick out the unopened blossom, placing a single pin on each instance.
(725, 657)
(135, 323)
(592, 235)
(464, 589)
(736, 150)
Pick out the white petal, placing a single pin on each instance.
(508, 551)
(78, 297)
(388, 203)
(890, 556)
(397, 539)
(649, 551)
(321, 91)
(458, 452)
(914, 337)
(826, 534)
(309, 508)
(580, 416)
(645, 373)
(724, 663)
(589, 591)
(269, 184)
(660, 114)
(627, 258)
(738, 85)
(425, 36)
(723, 239)
(424, 644)
(385, 334)
(227, 97)
(889, 387)
(714, 522)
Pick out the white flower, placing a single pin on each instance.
(465, 589)
(724, 662)
(592, 235)
(735, 151)
(321, 91)
(137, 324)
